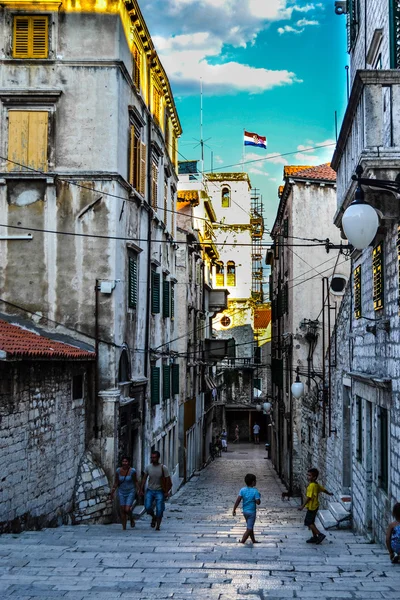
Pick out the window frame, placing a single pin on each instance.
(31, 18)
(225, 204)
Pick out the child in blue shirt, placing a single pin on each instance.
(251, 497)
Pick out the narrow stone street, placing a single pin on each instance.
(197, 554)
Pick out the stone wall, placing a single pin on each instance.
(92, 493)
(42, 432)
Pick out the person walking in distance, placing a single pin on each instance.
(256, 432)
(236, 434)
(312, 504)
(127, 485)
(159, 487)
(224, 440)
(251, 498)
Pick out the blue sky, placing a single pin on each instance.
(275, 67)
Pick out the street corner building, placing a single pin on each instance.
(88, 190)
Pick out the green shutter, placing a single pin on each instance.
(155, 292)
(133, 287)
(165, 298)
(175, 379)
(172, 300)
(166, 382)
(155, 385)
(394, 19)
(353, 14)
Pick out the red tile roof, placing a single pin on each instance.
(19, 342)
(294, 169)
(321, 173)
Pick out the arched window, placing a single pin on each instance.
(230, 274)
(219, 274)
(225, 197)
(124, 368)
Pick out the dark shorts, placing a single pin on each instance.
(310, 517)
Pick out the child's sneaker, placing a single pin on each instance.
(313, 540)
(320, 538)
(395, 559)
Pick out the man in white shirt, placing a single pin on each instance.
(256, 431)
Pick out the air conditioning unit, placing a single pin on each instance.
(341, 7)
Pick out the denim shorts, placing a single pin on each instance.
(154, 497)
(250, 519)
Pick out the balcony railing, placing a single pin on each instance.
(370, 133)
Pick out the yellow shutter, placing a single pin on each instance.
(154, 172)
(142, 169)
(30, 37)
(27, 140)
(132, 156)
(39, 37)
(21, 37)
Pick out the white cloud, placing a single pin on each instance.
(315, 153)
(289, 29)
(257, 171)
(276, 159)
(192, 37)
(306, 23)
(186, 60)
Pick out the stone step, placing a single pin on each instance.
(338, 511)
(327, 519)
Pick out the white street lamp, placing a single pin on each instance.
(297, 387)
(267, 407)
(360, 220)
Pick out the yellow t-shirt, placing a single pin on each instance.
(313, 491)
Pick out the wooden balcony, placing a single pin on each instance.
(370, 133)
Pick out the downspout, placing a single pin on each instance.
(329, 361)
(96, 364)
(148, 297)
(323, 360)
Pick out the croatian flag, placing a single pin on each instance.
(253, 139)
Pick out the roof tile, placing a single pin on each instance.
(320, 173)
(19, 342)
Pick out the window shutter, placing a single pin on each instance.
(132, 292)
(155, 292)
(286, 228)
(377, 265)
(39, 37)
(155, 385)
(357, 292)
(165, 202)
(175, 378)
(166, 382)
(154, 185)
(166, 301)
(172, 300)
(27, 140)
(132, 156)
(21, 37)
(142, 189)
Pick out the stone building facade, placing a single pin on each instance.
(362, 449)
(44, 401)
(304, 290)
(89, 132)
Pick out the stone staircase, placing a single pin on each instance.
(338, 514)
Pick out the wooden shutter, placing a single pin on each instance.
(31, 38)
(166, 382)
(155, 292)
(142, 185)
(166, 300)
(39, 37)
(132, 156)
(155, 385)
(132, 288)
(357, 292)
(165, 201)
(172, 300)
(378, 279)
(154, 185)
(175, 378)
(27, 140)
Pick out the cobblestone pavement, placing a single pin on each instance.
(197, 554)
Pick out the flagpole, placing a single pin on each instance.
(243, 151)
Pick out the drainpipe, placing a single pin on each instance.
(148, 298)
(329, 361)
(96, 364)
(323, 360)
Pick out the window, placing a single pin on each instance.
(166, 382)
(353, 22)
(132, 281)
(165, 201)
(156, 104)
(137, 63)
(219, 274)
(154, 184)
(155, 292)
(394, 16)
(77, 387)
(166, 298)
(377, 266)
(231, 274)
(225, 321)
(172, 300)
(123, 368)
(357, 292)
(173, 204)
(27, 139)
(257, 383)
(383, 448)
(30, 37)
(359, 424)
(225, 197)
(155, 385)
(286, 228)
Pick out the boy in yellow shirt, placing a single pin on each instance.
(312, 504)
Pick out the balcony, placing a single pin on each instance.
(218, 300)
(370, 133)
